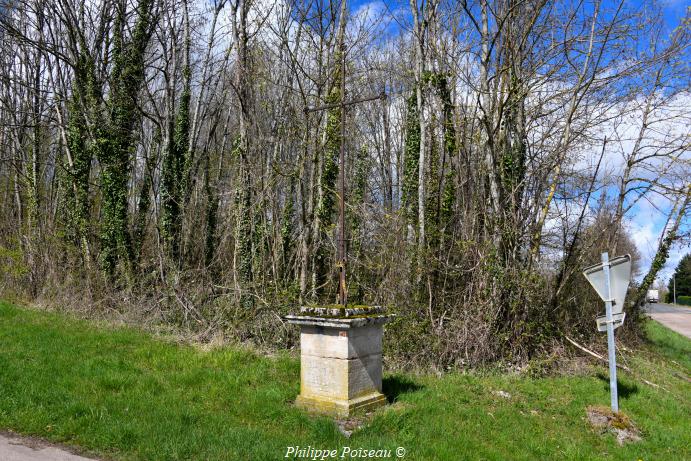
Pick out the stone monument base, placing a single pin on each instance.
(340, 360)
(341, 408)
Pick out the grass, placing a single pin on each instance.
(121, 394)
(670, 344)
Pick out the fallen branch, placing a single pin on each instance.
(621, 367)
(595, 354)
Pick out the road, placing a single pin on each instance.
(15, 448)
(673, 317)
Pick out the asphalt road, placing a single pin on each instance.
(675, 318)
(15, 448)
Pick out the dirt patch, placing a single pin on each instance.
(349, 425)
(502, 394)
(604, 420)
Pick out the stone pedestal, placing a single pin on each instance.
(340, 359)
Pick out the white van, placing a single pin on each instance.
(653, 296)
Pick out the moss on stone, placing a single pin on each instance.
(342, 307)
(337, 311)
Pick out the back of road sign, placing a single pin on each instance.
(620, 274)
(617, 321)
(611, 279)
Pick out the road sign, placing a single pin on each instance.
(620, 275)
(617, 321)
(611, 279)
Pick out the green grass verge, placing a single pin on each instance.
(669, 343)
(121, 394)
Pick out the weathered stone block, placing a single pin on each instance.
(341, 343)
(340, 363)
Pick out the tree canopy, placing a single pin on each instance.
(681, 279)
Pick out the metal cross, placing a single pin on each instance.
(341, 264)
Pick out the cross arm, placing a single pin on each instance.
(307, 110)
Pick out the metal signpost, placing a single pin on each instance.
(674, 281)
(611, 280)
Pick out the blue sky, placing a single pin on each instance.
(673, 10)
